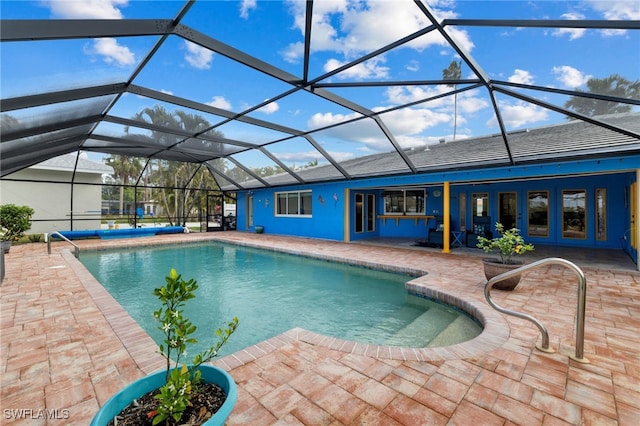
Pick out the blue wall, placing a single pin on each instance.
(327, 220)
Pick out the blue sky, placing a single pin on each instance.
(273, 31)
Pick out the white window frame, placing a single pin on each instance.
(402, 193)
(293, 211)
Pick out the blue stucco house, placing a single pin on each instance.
(572, 184)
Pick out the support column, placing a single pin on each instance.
(635, 217)
(446, 218)
(347, 209)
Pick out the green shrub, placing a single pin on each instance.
(35, 238)
(509, 243)
(15, 221)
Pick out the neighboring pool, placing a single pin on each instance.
(273, 292)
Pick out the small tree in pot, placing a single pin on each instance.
(14, 222)
(181, 394)
(175, 395)
(508, 244)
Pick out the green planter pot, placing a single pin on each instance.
(259, 229)
(144, 385)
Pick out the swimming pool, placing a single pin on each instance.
(274, 292)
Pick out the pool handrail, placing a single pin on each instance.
(76, 249)
(582, 298)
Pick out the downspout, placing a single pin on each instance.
(446, 218)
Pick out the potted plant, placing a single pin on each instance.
(509, 243)
(5, 244)
(194, 393)
(14, 222)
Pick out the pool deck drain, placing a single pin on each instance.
(67, 345)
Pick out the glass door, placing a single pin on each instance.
(508, 209)
(371, 212)
(250, 210)
(215, 206)
(633, 218)
(574, 216)
(359, 213)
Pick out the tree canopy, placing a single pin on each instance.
(614, 86)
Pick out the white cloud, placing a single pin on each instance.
(469, 104)
(519, 114)
(88, 9)
(413, 121)
(341, 156)
(429, 114)
(293, 52)
(413, 66)
(324, 36)
(406, 125)
(367, 69)
(570, 77)
(351, 28)
(616, 10)
(246, 6)
(220, 102)
(303, 157)
(612, 33)
(522, 77)
(108, 48)
(270, 108)
(573, 33)
(362, 135)
(197, 56)
(320, 119)
(112, 52)
(399, 95)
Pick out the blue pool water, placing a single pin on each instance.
(272, 292)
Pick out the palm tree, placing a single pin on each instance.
(181, 185)
(453, 72)
(614, 85)
(125, 169)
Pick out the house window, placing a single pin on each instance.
(538, 214)
(574, 219)
(359, 212)
(404, 202)
(371, 212)
(601, 214)
(295, 203)
(480, 204)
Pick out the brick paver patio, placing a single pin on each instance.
(67, 346)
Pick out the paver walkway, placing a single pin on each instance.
(67, 346)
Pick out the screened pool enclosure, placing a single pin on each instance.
(191, 102)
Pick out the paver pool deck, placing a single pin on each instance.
(67, 346)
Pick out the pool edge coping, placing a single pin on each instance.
(137, 342)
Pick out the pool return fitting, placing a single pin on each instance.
(582, 298)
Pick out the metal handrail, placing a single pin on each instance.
(76, 249)
(582, 300)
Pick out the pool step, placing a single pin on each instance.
(424, 328)
(395, 322)
(461, 329)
